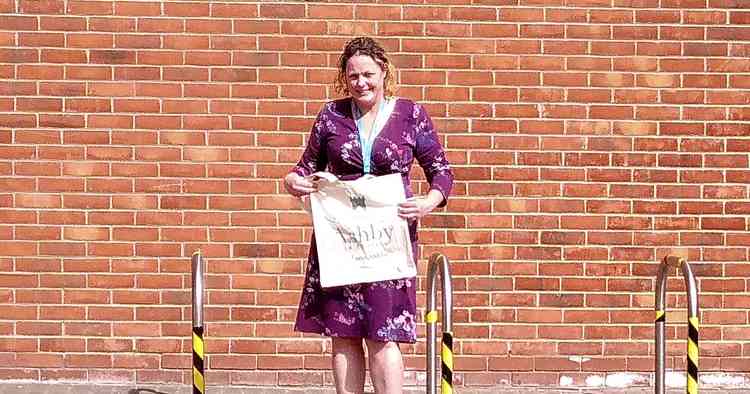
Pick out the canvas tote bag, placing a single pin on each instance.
(358, 233)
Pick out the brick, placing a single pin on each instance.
(20, 22)
(88, 72)
(39, 360)
(136, 8)
(21, 55)
(42, 6)
(41, 39)
(112, 24)
(161, 25)
(325, 11)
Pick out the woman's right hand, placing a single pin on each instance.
(298, 185)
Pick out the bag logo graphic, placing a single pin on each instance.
(357, 200)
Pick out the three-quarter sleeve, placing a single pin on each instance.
(430, 155)
(314, 157)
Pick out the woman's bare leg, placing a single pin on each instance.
(386, 367)
(348, 365)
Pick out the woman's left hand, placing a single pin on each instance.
(416, 207)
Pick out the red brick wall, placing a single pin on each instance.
(589, 139)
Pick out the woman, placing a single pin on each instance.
(391, 132)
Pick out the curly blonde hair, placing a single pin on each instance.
(368, 47)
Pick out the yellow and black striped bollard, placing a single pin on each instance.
(199, 383)
(692, 355)
(446, 355)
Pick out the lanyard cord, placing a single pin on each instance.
(366, 144)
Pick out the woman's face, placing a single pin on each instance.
(365, 80)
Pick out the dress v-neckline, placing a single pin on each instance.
(381, 120)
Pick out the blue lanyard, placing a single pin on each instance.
(366, 144)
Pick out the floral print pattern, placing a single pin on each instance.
(382, 311)
(393, 327)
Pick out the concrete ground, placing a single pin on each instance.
(42, 388)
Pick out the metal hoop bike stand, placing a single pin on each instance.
(660, 321)
(438, 263)
(199, 382)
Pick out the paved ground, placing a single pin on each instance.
(39, 388)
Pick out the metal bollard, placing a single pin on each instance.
(199, 382)
(693, 323)
(439, 263)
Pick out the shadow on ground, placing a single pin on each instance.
(145, 391)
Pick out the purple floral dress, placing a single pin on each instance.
(381, 311)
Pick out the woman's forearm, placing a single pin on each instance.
(434, 197)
